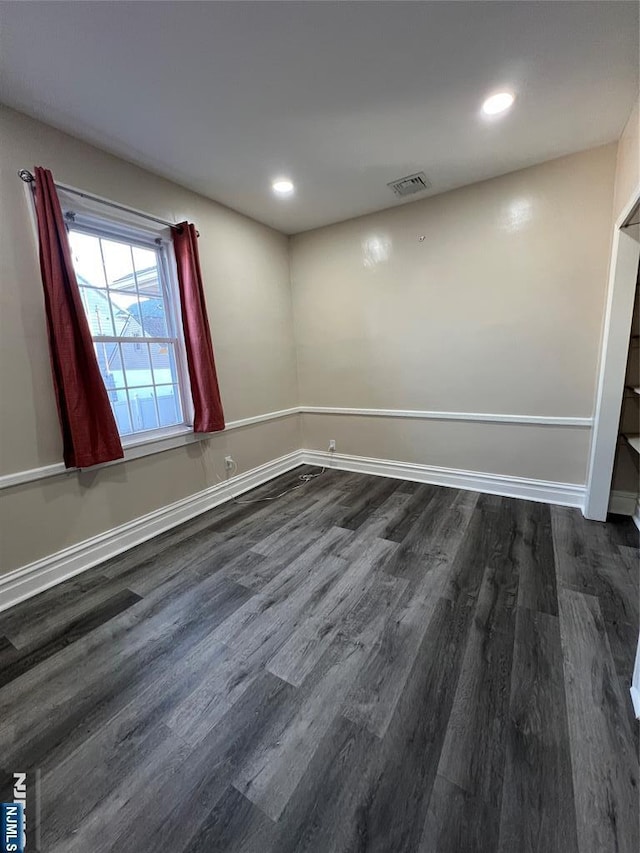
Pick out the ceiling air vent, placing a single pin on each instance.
(411, 184)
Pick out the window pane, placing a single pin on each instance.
(118, 265)
(120, 409)
(143, 408)
(97, 308)
(87, 259)
(151, 315)
(147, 273)
(169, 405)
(137, 367)
(110, 364)
(163, 361)
(124, 309)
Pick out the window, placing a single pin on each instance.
(131, 302)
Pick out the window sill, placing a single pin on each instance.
(145, 445)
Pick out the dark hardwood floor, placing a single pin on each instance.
(365, 664)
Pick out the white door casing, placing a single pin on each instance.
(623, 274)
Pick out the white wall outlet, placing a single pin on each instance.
(229, 464)
(332, 445)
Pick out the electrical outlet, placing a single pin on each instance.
(332, 445)
(229, 464)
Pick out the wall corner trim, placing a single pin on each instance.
(483, 417)
(139, 449)
(36, 577)
(635, 697)
(544, 491)
(29, 580)
(170, 443)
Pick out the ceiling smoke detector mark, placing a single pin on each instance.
(411, 184)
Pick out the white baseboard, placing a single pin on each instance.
(565, 494)
(635, 682)
(636, 515)
(18, 585)
(623, 503)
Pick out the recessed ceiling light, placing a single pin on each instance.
(282, 186)
(498, 103)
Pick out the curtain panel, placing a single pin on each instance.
(89, 432)
(209, 416)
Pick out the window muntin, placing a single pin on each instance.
(132, 314)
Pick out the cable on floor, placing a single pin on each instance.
(305, 478)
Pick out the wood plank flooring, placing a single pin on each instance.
(365, 664)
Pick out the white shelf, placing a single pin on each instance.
(634, 441)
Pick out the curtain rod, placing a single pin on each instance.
(26, 176)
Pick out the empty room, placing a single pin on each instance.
(320, 426)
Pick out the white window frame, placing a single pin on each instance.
(102, 226)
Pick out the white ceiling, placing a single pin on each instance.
(343, 97)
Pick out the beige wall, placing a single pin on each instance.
(497, 310)
(246, 275)
(486, 447)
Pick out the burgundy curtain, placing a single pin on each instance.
(89, 431)
(209, 416)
